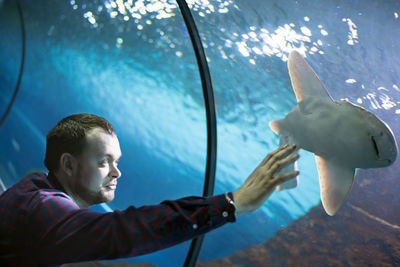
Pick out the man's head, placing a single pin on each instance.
(83, 151)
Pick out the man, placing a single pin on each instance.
(45, 221)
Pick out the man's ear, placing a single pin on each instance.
(68, 163)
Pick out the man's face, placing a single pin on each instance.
(97, 173)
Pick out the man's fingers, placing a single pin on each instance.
(286, 151)
(275, 154)
(279, 153)
(285, 177)
(278, 165)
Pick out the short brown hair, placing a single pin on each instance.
(68, 136)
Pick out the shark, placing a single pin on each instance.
(342, 135)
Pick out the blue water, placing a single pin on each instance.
(141, 74)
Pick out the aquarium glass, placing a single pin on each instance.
(133, 63)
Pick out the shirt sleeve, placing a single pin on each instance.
(61, 232)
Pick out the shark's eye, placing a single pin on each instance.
(375, 146)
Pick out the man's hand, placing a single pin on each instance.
(262, 182)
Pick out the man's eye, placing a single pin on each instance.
(103, 163)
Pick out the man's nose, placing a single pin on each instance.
(115, 172)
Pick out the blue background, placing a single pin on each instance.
(135, 66)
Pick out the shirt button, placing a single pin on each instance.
(225, 214)
(195, 226)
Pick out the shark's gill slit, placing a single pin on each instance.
(375, 146)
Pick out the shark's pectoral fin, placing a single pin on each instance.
(305, 82)
(306, 107)
(335, 181)
(312, 105)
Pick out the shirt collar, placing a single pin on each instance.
(54, 182)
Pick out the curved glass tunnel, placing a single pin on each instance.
(133, 63)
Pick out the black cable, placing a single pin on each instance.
(209, 103)
(21, 68)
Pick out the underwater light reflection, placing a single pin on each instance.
(278, 43)
(253, 44)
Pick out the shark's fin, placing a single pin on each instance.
(307, 107)
(335, 181)
(305, 82)
(292, 183)
(275, 126)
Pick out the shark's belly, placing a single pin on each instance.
(330, 134)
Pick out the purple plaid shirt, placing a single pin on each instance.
(41, 225)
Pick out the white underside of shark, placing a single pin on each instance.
(343, 136)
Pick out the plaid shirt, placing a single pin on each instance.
(41, 225)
